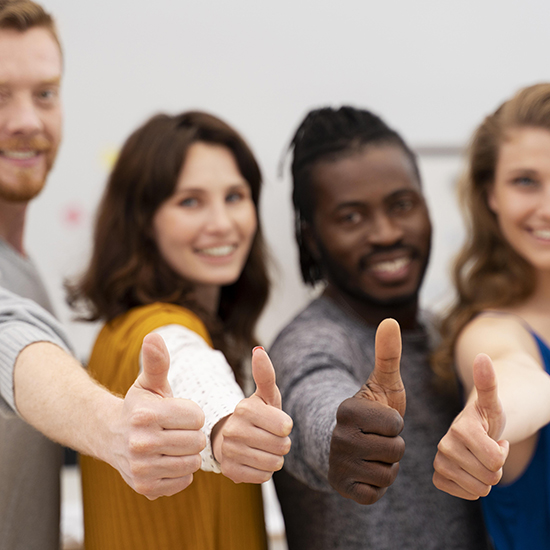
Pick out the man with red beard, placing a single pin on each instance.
(153, 441)
(363, 230)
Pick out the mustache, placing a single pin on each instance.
(370, 258)
(22, 143)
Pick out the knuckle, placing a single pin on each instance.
(138, 445)
(199, 443)
(196, 463)
(147, 489)
(244, 408)
(285, 446)
(278, 465)
(143, 416)
(486, 489)
(231, 431)
(366, 494)
(139, 472)
(346, 411)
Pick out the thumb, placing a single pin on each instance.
(488, 402)
(386, 375)
(264, 377)
(156, 363)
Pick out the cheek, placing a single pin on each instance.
(249, 221)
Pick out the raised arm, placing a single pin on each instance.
(251, 443)
(246, 438)
(152, 439)
(473, 455)
(365, 449)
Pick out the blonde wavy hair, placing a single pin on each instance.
(488, 273)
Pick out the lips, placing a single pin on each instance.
(218, 251)
(542, 234)
(390, 267)
(24, 148)
(19, 155)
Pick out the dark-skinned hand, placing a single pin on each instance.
(366, 448)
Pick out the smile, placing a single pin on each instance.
(543, 234)
(20, 155)
(390, 267)
(218, 251)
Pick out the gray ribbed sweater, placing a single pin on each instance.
(322, 358)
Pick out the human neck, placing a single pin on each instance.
(541, 295)
(371, 313)
(208, 297)
(12, 223)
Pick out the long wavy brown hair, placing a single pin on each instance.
(127, 270)
(488, 272)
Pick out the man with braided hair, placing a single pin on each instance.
(363, 229)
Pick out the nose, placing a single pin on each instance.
(384, 231)
(22, 117)
(219, 218)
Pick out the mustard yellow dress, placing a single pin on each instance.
(213, 513)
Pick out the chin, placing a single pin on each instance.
(397, 300)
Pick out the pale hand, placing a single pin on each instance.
(470, 456)
(252, 442)
(159, 437)
(366, 448)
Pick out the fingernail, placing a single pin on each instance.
(257, 347)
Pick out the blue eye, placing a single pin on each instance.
(234, 197)
(189, 202)
(524, 181)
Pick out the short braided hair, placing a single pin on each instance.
(328, 134)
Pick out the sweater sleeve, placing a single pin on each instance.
(201, 374)
(314, 378)
(23, 322)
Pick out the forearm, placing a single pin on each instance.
(525, 398)
(54, 394)
(312, 404)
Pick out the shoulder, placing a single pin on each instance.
(498, 334)
(494, 333)
(320, 337)
(144, 319)
(320, 324)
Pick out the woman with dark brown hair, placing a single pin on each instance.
(178, 250)
(498, 332)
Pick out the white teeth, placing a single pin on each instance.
(391, 266)
(19, 155)
(218, 250)
(542, 234)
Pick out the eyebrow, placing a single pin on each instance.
(55, 81)
(363, 204)
(530, 171)
(235, 185)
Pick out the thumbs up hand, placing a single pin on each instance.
(365, 449)
(157, 437)
(470, 456)
(251, 443)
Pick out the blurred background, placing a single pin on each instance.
(431, 69)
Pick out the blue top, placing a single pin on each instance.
(518, 515)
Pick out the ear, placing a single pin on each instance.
(491, 200)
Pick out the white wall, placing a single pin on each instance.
(432, 69)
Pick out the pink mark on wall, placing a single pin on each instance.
(73, 215)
